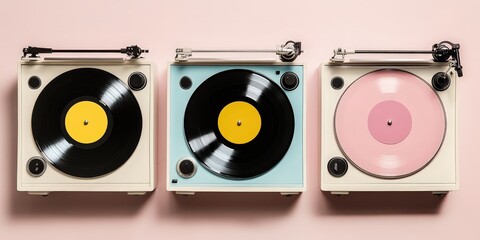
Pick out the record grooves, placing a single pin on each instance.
(77, 91)
(253, 156)
(394, 114)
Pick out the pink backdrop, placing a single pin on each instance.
(161, 26)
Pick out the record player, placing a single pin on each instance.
(236, 125)
(390, 125)
(86, 124)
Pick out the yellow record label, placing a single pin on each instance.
(86, 122)
(239, 122)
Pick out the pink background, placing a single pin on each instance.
(161, 26)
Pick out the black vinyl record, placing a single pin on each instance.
(122, 122)
(223, 157)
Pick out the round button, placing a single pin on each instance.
(186, 168)
(337, 166)
(34, 82)
(185, 82)
(289, 81)
(36, 166)
(440, 81)
(337, 83)
(137, 81)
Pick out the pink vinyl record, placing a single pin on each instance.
(390, 123)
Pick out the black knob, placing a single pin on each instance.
(186, 168)
(289, 81)
(185, 82)
(441, 81)
(137, 81)
(34, 82)
(36, 166)
(337, 83)
(337, 166)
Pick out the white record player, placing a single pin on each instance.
(390, 125)
(86, 124)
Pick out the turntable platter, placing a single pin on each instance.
(390, 123)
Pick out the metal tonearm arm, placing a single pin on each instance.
(441, 52)
(288, 52)
(445, 50)
(132, 51)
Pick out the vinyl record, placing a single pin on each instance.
(390, 123)
(239, 124)
(86, 122)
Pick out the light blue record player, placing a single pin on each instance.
(236, 127)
